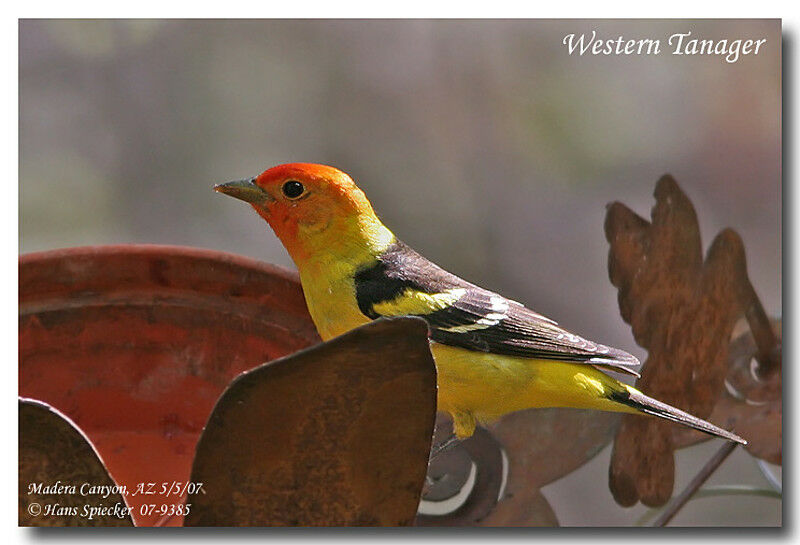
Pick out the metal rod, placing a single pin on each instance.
(443, 446)
(679, 501)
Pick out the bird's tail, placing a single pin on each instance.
(635, 399)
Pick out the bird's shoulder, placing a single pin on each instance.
(400, 273)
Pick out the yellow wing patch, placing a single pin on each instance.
(417, 302)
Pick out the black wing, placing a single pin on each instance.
(475, 318)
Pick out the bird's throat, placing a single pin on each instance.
(345, 244)
(327, 267)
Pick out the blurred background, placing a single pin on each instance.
(482, 144)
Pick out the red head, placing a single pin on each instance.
(314, 209)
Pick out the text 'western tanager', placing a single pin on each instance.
(493, 355)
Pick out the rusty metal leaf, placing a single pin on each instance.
(135, 343)
(544, 445)
(752, 404)
(338, 434)
(682, 310)
(53, 451)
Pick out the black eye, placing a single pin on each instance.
(293, 189)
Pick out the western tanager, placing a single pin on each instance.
(493, 355)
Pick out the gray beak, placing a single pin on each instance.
(245, 190)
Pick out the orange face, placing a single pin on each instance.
(308, 206)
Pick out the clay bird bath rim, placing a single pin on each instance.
(135, 343)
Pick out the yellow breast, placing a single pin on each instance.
(331, 299)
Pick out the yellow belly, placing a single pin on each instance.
(480, 387)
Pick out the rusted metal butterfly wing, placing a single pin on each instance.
(54, 457)
(338, 434)
(682, 309)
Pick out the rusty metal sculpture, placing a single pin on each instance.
(52, 451)
(683, 311)
(336, 435)
(752, 401)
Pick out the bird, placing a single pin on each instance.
(493, 355)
